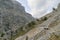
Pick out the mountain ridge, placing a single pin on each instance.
(12, 17)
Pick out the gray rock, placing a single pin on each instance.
(12, 16)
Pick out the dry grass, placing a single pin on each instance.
(54, 37)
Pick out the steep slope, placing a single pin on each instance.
(12, 17)
(47, 30)
(52, 26)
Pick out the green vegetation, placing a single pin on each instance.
(44, 19)
(13, 37)
(41, 20)
(21, 32)
(37, 19)
(31, 24)
(2, 34)
(24, 29)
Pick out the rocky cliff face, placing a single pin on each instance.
(12, 17)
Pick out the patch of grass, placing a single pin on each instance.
(44, 18)
(28, 27)
(41, 20)
(21, 32)
(31, 24)
(37, 19)
(2, 34)
(18, 34)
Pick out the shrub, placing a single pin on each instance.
(37, 19)
(54, 9)
(2, 34)
(45, 18)
(31, 23)
(21, 28)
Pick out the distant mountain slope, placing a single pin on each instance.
(12, 17)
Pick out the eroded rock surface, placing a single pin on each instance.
(12, 17)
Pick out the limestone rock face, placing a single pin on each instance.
(12, 16)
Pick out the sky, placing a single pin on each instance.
(39, 8)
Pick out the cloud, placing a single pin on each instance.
(35, 3)
(40, 7)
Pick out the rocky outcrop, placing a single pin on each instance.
(12, 17)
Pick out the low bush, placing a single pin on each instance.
(2, 34)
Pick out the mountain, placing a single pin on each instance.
(12, 17)
(47, 28)
(51, 26)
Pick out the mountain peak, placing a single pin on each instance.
(12, 17)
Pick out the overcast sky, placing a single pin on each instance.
(39, 8)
